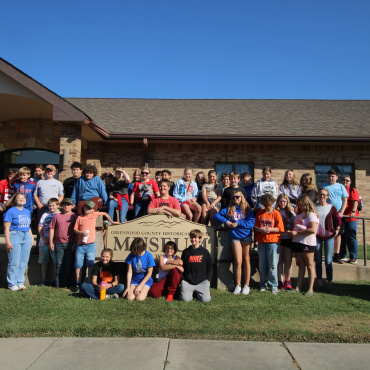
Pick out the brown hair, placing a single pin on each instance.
(90, 168)
(309, 206)
(267, 199)
(311, 183)
(137, 246)
(13, 200)
(170, 244)
(196, 233)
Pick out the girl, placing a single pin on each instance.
(104, 270)
(308, 187)
(200, 179)
(264, 186)
(211, 194)
(329, 225)
(286, 252)
(118, 196)
(291, 187)
(140, 265)
(240, 219)
(39, 173)
(269, 225)
(186, 192)
(18, 238)
(145, 190)
(170, 269)
(304, 241)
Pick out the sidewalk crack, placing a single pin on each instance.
(42, 353)
(166, 362)
(291, 355)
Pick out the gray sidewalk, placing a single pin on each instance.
(148, 353)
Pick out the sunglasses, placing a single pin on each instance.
(145, 173)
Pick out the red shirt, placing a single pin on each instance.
(6, 190)
(353, 197)
(140, 190)
(170, 202)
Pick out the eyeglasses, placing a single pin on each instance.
(346, 180)
(323, 195)
(236, 196)
(145, 173)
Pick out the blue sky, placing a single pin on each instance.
(242, 49)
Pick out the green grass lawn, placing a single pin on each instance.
(343, 316)
(360, 253)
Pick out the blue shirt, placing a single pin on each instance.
(27, 188)
(336, 194)
(140, 265)
(20, 220)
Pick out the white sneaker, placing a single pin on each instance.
(246, 290)
(262, 289)
(14, 288)
(237, 289)
(21, 287)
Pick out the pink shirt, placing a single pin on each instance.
(301, 223)
(88, 222)
(63, 225)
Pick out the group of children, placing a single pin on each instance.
(283, 218)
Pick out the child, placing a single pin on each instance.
(308, 187)
(290, 187)
(145, 189)
(170, 269)
(7, 189)
(264, 186)
(225, 181)
(18, 239)
(197, 274)
(186, 192)
(164, 204)
(269, 225)
(234, 186)
(109, 179)
(104, 270)
(158, 176)
(166, 175)
(69, 183)
(23, 185)
(118, 196)
(200, 179)
(239, 218)
(47, 189)
(248, 187)
(140, 265)
(286, 252)
(39, 173)
(63, 241)
(338, 197)
(89, 187)
(44, 250)
(211, 194)
(85, 230)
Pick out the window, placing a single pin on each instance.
(233, 167)
(321, 171)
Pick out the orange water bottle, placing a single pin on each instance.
(103, 290)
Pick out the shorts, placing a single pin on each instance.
(287, 243)
(299, 248)
(82, 251)
(135, 281)
(247, 239)
(217, 205)
(45, 253)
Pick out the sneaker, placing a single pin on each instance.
(288, 285)
(14, 288)
(337, 259)
(274, 291)
(77, 289)
(169, 298)
(106, 223)
(263, 290)
(112, 296)
(237, 290)
(281, 285)
(21, 287)
(353, 261)
(246, 290)
(41, 285)
(308, 294)
(344, 259)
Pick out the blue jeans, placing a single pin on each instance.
(18, 257)
(349, 239)
(83, 250)
(64, 260)
(268, 255)
(95, 293)
(141, 208)
(112, 205)
(328, 252)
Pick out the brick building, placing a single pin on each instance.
(37, 125)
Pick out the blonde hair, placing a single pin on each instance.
(289, 208)
(311, 183)
(244, 206)
(215, 183)
(294, 180)
(13, 200)
(309, 206)
(24, 170)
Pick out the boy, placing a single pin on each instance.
(166, 175)
(44, 251)
(69, 183)
(164, 204)
(338, 197)
(7, 188)
(85, 230)
(39, 173)
(89, 187)
(225, 180)
(63, 240)
(25, 186)
(158, 176)
(46, 189)
(234, 186)
(248, 187)
(197, 264)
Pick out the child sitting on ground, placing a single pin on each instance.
(140, 265)
(170, 269)
(85, 230)
(197, 263)
(45, 253)
(104, 270)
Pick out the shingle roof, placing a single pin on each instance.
(230, 119)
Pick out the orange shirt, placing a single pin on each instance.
(270, 220)
(84, 223)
